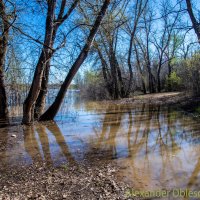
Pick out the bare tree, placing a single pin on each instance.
(38, 88)
(163, 42)
(6, 19)
(143, 44)
(53, 109)
(140, 6)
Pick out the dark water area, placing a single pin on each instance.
(155, 147)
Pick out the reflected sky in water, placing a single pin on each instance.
(155, 147)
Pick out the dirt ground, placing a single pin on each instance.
(166, 98)
(65, 182)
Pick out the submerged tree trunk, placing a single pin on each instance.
(3, 49)
(41, 100)
(53, 109)
(29, 104)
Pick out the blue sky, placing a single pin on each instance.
(31, 19)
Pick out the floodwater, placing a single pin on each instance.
(155, 147)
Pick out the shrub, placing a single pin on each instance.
(173, 81)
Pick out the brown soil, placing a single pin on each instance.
(166, 98)
(78, 181)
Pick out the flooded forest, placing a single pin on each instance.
(99, 99)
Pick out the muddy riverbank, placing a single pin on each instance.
(93, 177)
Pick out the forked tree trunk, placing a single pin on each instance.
(54, 108)
(41, 100)
(29, 104)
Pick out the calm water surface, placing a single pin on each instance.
(155, 147)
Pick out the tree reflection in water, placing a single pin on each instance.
(159, 145)
(156, 147)
(38, 154)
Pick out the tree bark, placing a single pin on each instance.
(106, 74)
(54, 108)
(129, 63)
(138, 12)
(139, 69)
(195, 23)
(158, 76)
(169, 74)
(29, 104)
(41, 100)
(4, 116)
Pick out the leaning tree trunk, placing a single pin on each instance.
(3, 49)
(54, 108)
(195, 23)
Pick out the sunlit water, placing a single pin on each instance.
(155, 147)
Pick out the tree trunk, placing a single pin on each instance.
(54, 108)
(121, 83)
(106, 74)
(4, 116)
(41, 100)
(139, 69)
(29, 104)
(158, 74)
(114, 73)
(169, 74)
(159, 81)
(195, 23)
(151, 82)
(129, 64)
